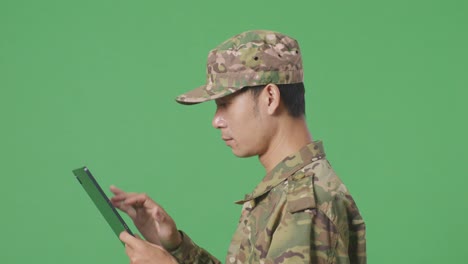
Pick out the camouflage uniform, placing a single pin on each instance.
(300, 213)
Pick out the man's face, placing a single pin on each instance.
(241, 124)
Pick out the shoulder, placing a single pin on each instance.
(327, 184)
(316, 185)
(300, 189)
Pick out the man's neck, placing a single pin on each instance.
(291, 136)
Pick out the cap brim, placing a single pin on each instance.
(203, 94)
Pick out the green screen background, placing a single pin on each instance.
(93, 83)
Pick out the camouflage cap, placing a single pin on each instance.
(251, 58)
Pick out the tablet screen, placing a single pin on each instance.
(101, 201)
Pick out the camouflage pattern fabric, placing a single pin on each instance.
(300, 213)
(251, 58)
(189, 252)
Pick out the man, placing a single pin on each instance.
(300, 212)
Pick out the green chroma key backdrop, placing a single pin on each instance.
(93, 83)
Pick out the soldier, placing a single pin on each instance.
(300, 212)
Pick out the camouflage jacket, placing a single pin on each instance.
(300, 213)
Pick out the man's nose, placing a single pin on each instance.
(218, 121)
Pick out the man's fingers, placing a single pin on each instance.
(128, 209)
(115, 190)
(139, 200)
(120, 202)
(118, 199)
(125, 237)
(133, 199)
(128, 250)
(128, 239)
(125, 197)
(131, 202)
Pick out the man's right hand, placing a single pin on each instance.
(150, 218)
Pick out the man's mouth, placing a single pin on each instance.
(227, 140)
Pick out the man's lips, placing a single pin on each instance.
(227, 140)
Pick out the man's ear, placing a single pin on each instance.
(272, 98)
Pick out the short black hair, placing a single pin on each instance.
(292, 96)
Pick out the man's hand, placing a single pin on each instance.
(151, 220)
(143, 252)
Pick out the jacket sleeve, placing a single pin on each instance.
(189, 252)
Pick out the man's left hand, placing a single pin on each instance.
(142, 252)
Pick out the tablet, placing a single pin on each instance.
(95, 192)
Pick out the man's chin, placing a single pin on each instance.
(240, 154)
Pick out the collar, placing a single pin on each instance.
(287, 167)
